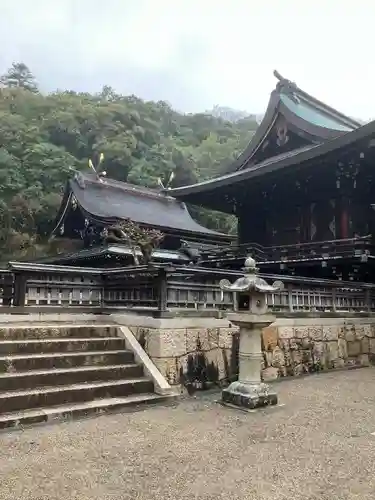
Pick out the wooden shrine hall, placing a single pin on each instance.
(302, 191)
(93, 207)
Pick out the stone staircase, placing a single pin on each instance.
(54, 373)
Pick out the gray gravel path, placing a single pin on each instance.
(318, 446)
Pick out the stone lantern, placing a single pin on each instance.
(249, 391)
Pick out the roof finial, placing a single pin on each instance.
(168, 184)
(287, 86)
(278, 76)
(96, 169)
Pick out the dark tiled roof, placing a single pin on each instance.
(108, 200)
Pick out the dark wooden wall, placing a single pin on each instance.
(314, 204)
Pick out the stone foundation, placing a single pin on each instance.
(205, 350)
(193, 354)
(308, 345)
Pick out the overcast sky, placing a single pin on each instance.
(197, 53)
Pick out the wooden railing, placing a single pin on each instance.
(199, 288)
(361, 246)
(134, 287)
(48, 285)
(166, 288)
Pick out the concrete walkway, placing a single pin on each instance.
(318, 446)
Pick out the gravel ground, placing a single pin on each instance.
(318, 446)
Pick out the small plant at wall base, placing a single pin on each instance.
(129, 232)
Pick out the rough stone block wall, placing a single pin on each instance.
(295, 350)
(190, 354)
(290, 348)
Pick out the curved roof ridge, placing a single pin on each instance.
(107, 182)
(258, 138)
(284, 83)
(315, 130)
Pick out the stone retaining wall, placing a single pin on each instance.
(190, 354)
(206, 349)
(295, 347)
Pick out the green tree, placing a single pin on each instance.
(44, 137)
(19, 75)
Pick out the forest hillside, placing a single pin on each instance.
(44, 137)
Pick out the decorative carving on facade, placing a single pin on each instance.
(74, 202)
(332, 227)
(282, 136)
(313, 231)
(312, 224)
(332, 224)
(348, 171)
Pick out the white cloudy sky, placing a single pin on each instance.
(197, 53)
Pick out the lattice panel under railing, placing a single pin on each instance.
(75, 291)
(195, 295)
(178, 287)
(318, 299)
(131, 295)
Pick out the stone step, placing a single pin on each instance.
(56, 331)
(19, 362)
(46, 345)
(11, 401)
(60, 376)
(67, 411)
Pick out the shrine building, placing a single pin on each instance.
(302, 190)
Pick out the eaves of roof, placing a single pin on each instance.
(332, 123)
(286, 160)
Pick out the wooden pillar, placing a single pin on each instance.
(20, 281)
(346, 183)
(162, 290)
(304, 201)
(252, 223)
(344, 218)
(8, 289)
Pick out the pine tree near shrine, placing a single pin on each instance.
(19, 76)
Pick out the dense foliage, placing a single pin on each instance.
(44, 137)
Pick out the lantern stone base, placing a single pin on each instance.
(248, 395)
(249, 391)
